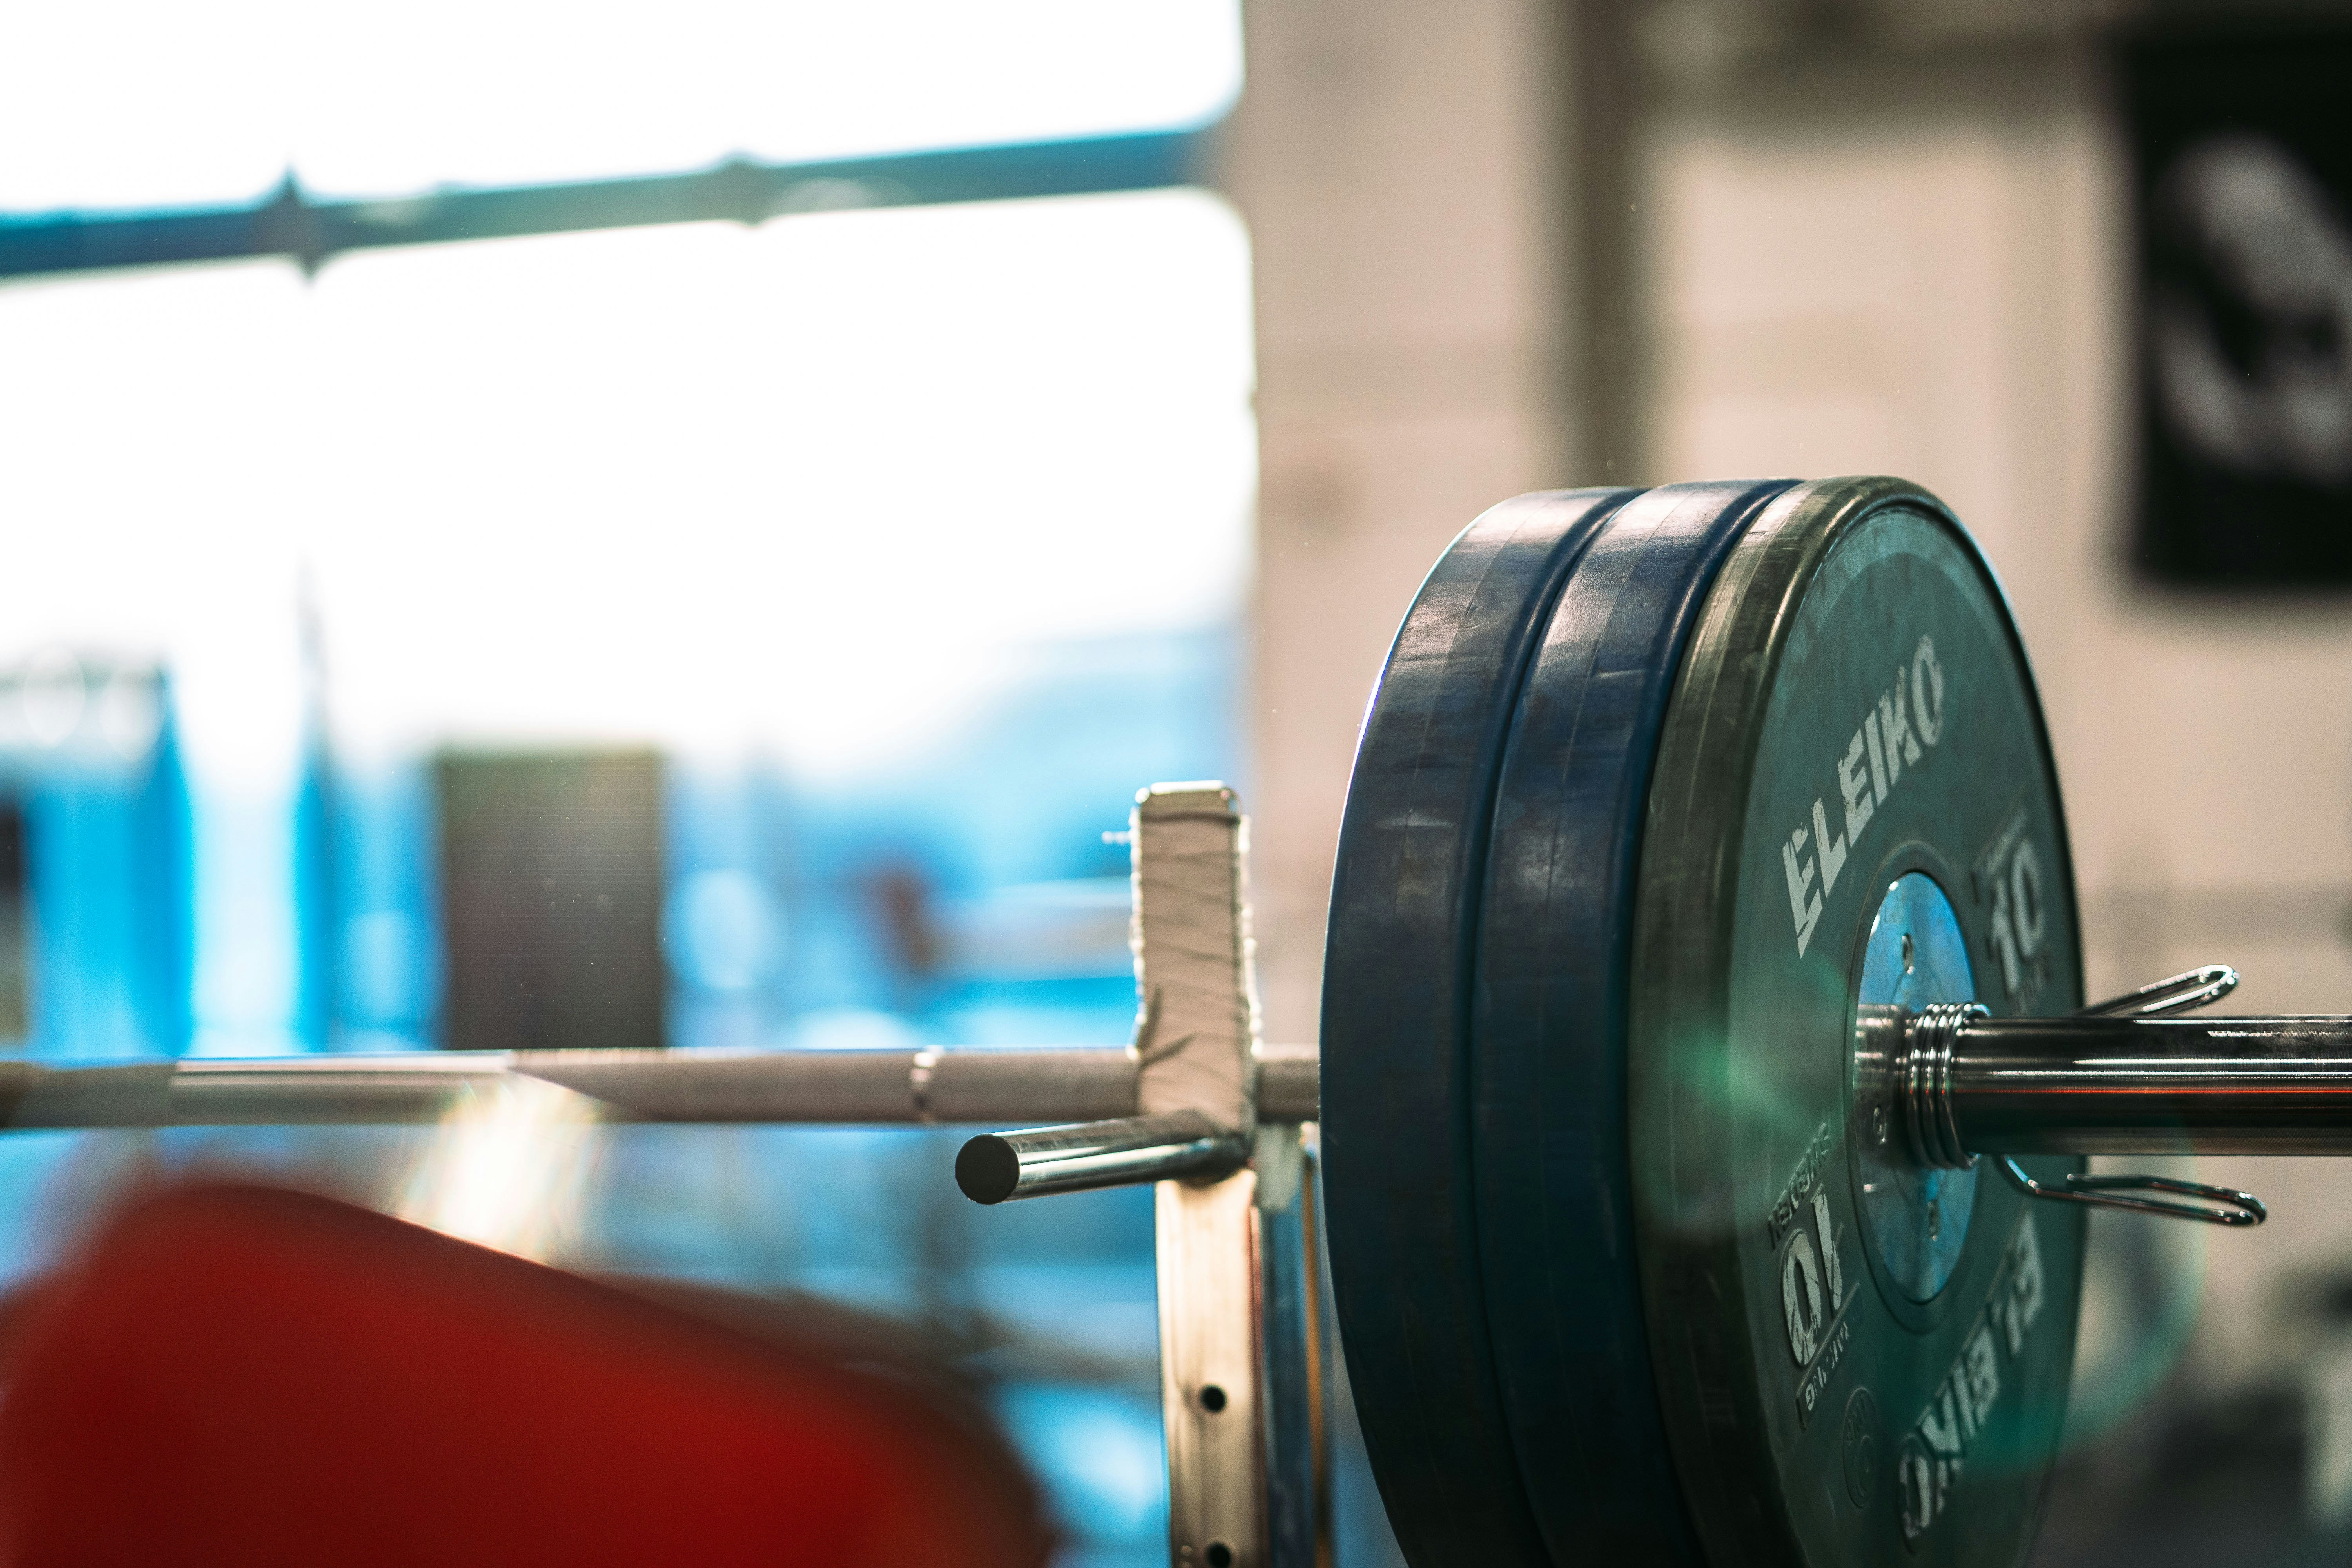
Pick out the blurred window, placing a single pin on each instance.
(891, 549)
(806, 492)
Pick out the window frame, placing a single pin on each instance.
(290, 224)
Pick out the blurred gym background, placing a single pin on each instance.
(560, 525)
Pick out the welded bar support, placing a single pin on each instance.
(1291, 1347)
(1236, 1279)
(1212, 1404)
(1241, 1370)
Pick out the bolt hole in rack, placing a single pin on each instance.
(1702, 929)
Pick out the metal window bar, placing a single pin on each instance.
(291, 224)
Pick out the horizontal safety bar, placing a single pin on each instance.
(845, 1086)
(1037, 1161)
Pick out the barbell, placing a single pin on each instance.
(1704, 1063)
(1704, 1072)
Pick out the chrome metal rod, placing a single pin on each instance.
(1037, 1161)
(2151, 1085)
(1289, 1083)
(868, 1087)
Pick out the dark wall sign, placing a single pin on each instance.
(551, 900)
(2242, 144)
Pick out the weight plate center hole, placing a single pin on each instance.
(1916, 1217)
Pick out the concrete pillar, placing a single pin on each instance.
(1403, 169)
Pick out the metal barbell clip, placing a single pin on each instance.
(2124, 1076)
(2169, 997)
(2238, 1208)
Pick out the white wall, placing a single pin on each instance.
(1928, 275)
(1399, 166)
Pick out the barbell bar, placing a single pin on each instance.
(853, 1086)
(2075, 1085)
